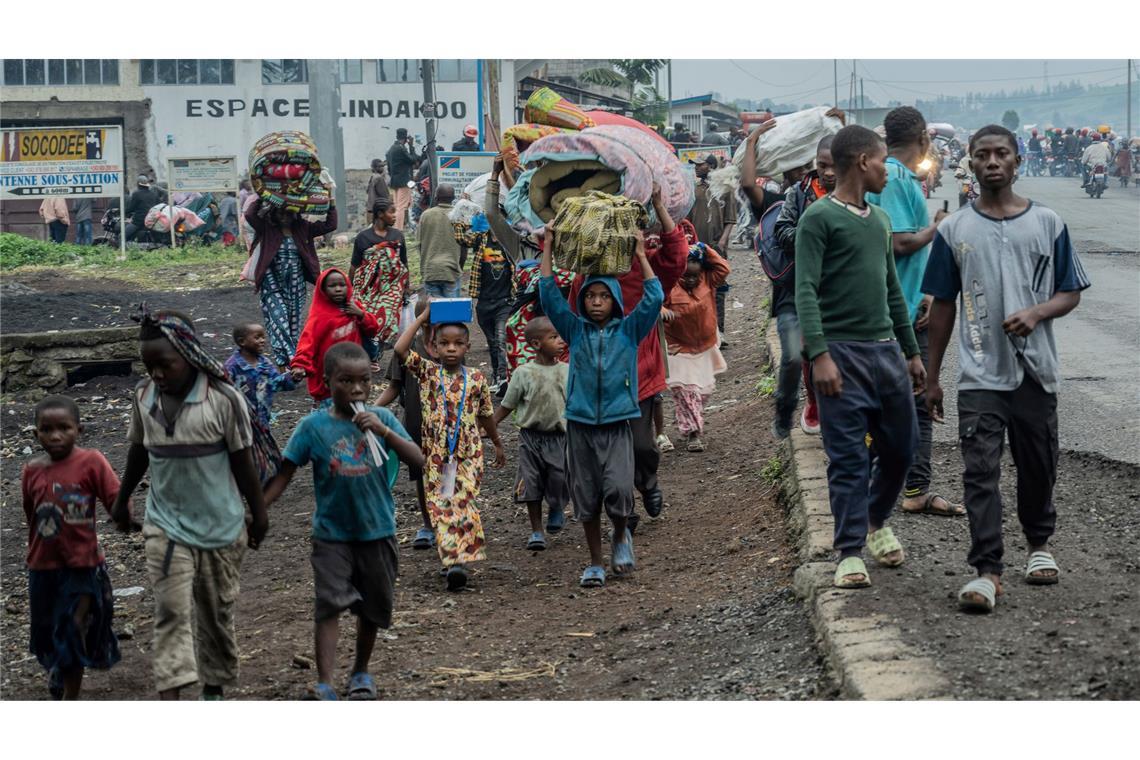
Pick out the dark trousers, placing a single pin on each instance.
(918, 477)
(58, 231)
(721, 293)
(646, 456)
(791, 365)
(493, 322)
(876, 397)
(1029, 416)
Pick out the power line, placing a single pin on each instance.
(773, 84)
(999, 79)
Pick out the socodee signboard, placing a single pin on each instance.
(70, 161)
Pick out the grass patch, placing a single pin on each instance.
(766, 385)
(773, 471)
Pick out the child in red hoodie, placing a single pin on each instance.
(334, 317)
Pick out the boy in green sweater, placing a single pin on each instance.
(854, 322)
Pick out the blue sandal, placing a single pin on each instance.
(425, 539)
(593, 576)
(361, 688)
(623, 560)
(555, 521)
(537, 542)
(322, 692)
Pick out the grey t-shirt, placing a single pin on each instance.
(537, 393)
(999, 267)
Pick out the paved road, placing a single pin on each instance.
(1099, 343)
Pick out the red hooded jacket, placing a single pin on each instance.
(327, 325)
(668, 264)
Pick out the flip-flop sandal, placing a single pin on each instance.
(425, 539)
(696, 445)
(623, 560)
(1039, 561)
(593, 576)
(456, 578)
(322, 692)
(537, 542)
(555, 521)
(982, 587)
(930, 507)
(883, 542)
(848, 567)
(361, 688)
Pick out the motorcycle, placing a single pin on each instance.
(144, 239)
(1036, 167)
(1098, 181)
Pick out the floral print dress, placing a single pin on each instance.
(380, 283)
(458, 526)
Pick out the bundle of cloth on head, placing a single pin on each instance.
(285, 171)
(792, 143)
(597, 233)
(158, 218)
(545, 113)
(181, 334)
(613, 159)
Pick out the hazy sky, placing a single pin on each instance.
(800, 81)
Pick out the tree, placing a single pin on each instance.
(630, 73)
(1010, 120)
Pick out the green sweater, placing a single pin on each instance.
(846, 285)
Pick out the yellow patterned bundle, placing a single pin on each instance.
(596, 233)
(545, 106)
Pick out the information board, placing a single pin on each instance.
(203, 175)
(36, 162)
(458, 169)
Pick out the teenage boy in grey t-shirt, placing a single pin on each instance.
(1012, 265)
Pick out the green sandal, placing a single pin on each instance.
(883, 542)
(848, 567)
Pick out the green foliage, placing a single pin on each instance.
(1010, 120)
(773, 471)
(19, 251)
(626, 73)
(766, 385)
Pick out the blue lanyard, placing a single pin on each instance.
(453, 435)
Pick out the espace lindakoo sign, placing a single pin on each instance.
(351, 108)
(70, 161)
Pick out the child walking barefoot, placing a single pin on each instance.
(354, 553)
(69, 591)
(691, 333)
(455, 402)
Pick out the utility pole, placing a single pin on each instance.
(835, 73)
(862, 103)
(669, 94)
(1129, 96)
(429, 122)
(324, 125)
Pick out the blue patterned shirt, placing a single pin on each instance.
(258, 382)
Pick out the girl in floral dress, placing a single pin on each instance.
(456, 403)
(379, 274)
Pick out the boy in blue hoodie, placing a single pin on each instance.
(601, 399)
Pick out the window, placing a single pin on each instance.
(398, 70)
(185, 71)
(455, 70)
(284, 71)
(351, 72)
(56, 71)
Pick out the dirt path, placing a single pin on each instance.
(709, 613)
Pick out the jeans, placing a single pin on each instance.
(876, 397)
(437, 289)
(918, 477)
(492, 319)
(58, 231)
(83, 235)
(1028, 416)
(791, 365)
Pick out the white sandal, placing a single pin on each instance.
(984, 588)
(1042, 561)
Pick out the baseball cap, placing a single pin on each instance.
(144, 181)
(709, 159)
(470, 131)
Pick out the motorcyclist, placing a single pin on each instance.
(965, 176)
(1085, 139)
(1098, 152)
(1072, 146)
(1036, 151)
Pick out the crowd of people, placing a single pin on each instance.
(581, 364)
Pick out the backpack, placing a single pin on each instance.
(774, 260)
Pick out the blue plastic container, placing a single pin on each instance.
(450, 310)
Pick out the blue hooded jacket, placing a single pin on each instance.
(603, 360)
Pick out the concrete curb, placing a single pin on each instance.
(866, 654)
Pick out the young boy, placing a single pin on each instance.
(854, 321)
(602, 399)
(815, 184)
(406, 387)
(253, 373)
(537, 395)
(908, 144)
(354, 526)
(191, 428)
(68, 588)
(1015, 269)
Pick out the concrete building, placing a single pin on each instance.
(699, 111)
